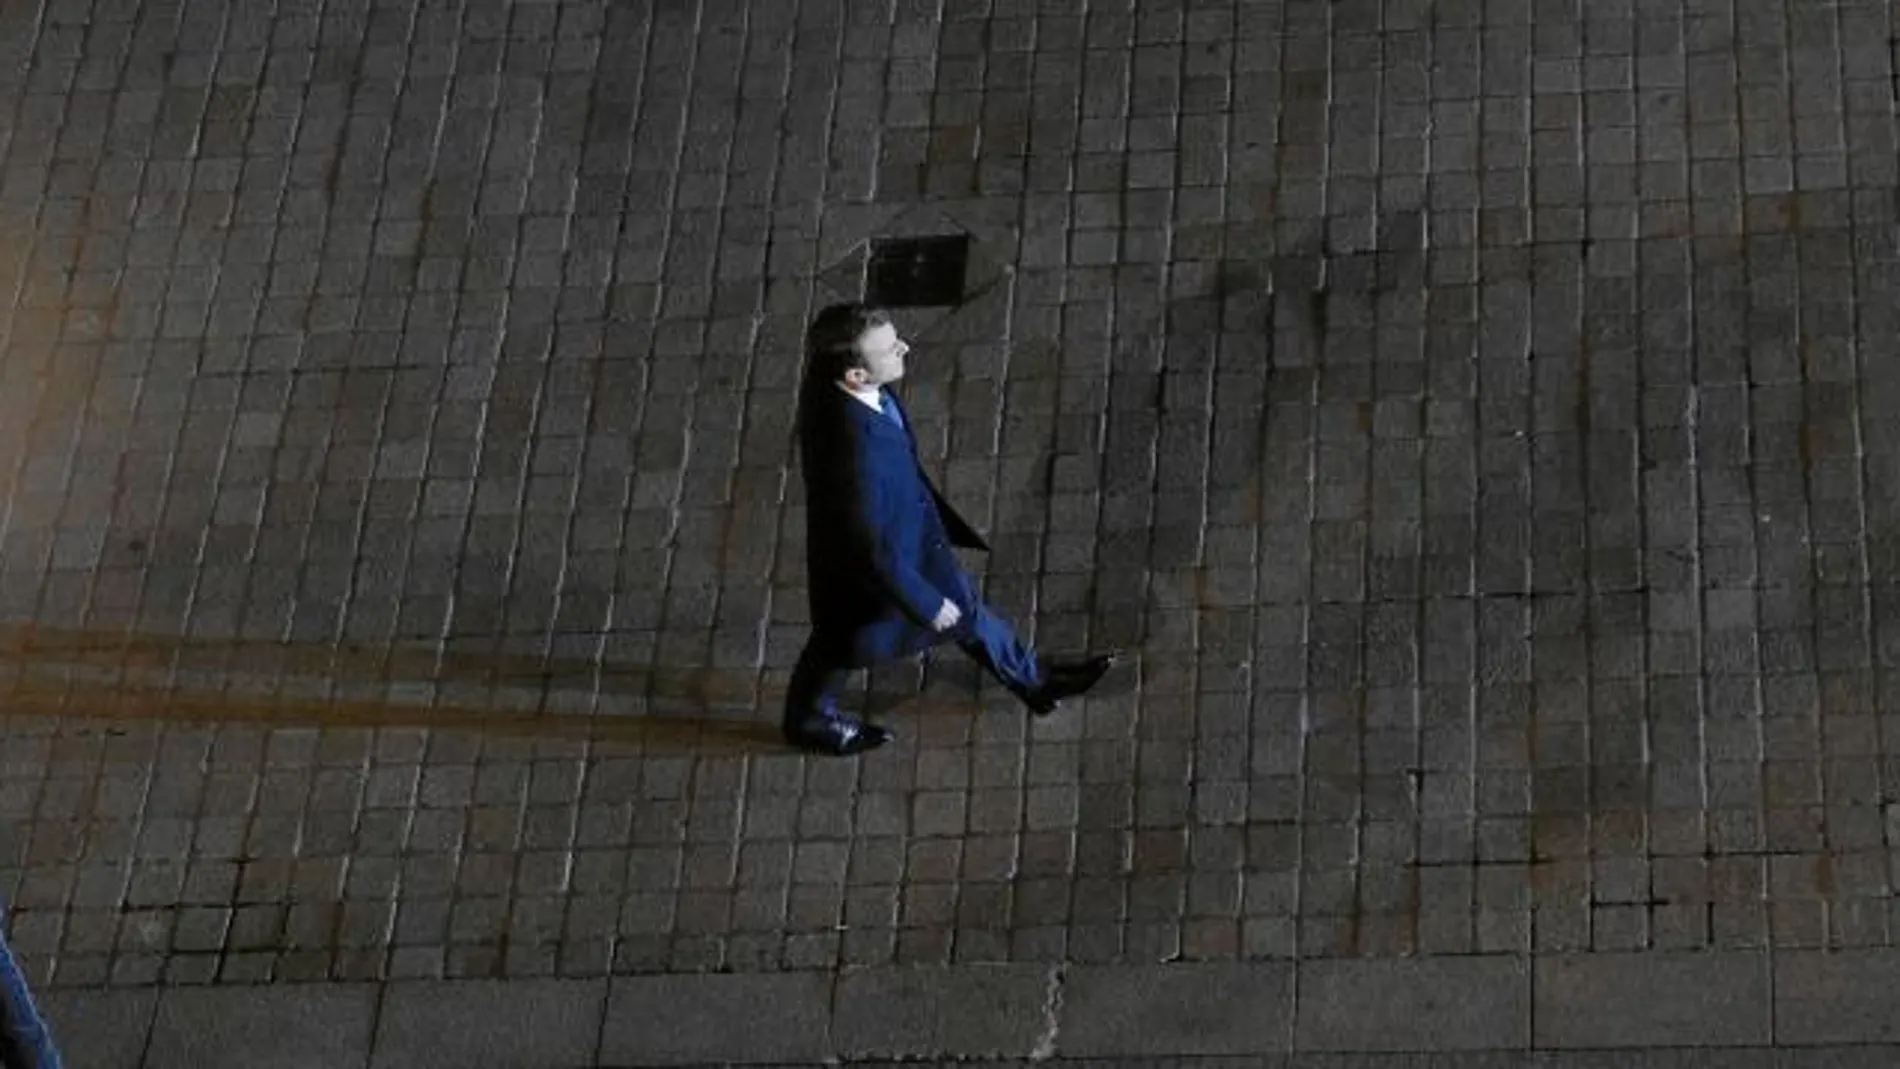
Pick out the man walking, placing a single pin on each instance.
(884, 582)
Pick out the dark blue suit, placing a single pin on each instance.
(878, 550)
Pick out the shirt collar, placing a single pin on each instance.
(872, 398)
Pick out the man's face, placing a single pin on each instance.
(880, 358)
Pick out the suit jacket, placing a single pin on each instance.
(878, 532)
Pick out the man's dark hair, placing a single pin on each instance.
(830, 343)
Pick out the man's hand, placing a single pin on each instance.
(947, 616)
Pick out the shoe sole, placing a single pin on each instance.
(854, 748)
(1044, 709)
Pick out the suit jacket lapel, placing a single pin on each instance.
(890, 398)
(870, 420)
(960, 531)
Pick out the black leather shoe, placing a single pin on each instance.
(839, 736)
(1066, 680)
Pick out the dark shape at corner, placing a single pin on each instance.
(917, 272)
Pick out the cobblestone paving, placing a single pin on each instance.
(1469, 413)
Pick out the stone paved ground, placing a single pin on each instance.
(1474, 414)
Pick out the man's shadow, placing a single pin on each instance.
(125, 676)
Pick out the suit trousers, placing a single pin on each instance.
(985, 637)
(25, 1042)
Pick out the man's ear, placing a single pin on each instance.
(854, 377)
